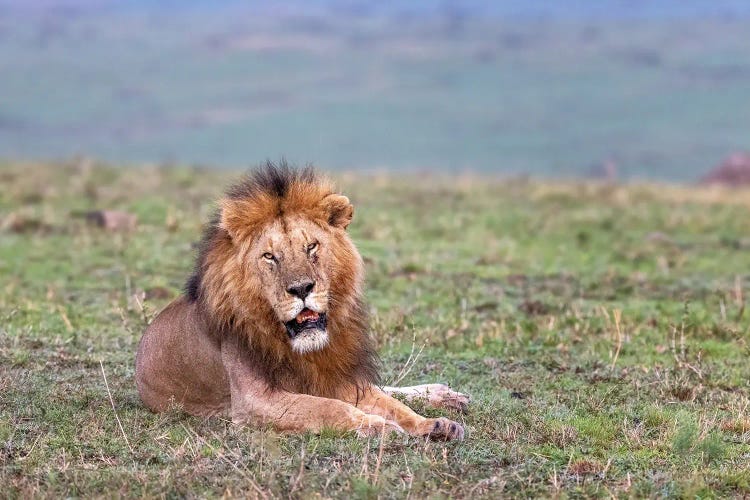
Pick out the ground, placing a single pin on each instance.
(599, 329)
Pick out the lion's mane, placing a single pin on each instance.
(234, 311)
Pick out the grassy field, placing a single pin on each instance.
(600, 330)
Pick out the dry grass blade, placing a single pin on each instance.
(219, 453)
(739, 297)
(300, 474)
(410, 361)
(617, 313)
(114, 410)
(376, 474)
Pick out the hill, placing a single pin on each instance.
(659, 91)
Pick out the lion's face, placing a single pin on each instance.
(292, 259)
(291, 251)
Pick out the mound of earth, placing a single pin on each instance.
(733, 171)
(605, 170)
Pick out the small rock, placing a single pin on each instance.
(534, 308)
(658, 237)
(605, 171)
(733, 171)
(20, 224)
(112, 220)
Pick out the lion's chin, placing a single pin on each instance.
(308, 331)
(309, 340)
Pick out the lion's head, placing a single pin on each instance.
(290, 259)
(278, 268)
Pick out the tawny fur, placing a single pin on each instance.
(223, 346)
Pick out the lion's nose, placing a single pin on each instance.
(301, 289)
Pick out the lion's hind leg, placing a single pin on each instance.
(375, 401)
(434, 395)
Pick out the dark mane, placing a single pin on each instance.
(272, 179)
(193, 284)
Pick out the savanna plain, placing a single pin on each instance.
(600, 330)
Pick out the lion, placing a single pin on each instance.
(272, 327)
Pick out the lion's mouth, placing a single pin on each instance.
(307, 319)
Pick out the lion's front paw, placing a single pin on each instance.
(442, 396)
(375, 425)
(442, 429)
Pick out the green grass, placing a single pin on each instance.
(600, 330)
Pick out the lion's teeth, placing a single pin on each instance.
(307, 315)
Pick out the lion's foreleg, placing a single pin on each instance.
(378, 402)
(253, 401)
(434, 395)
(301, 412)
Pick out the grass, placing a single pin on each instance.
(600, 330)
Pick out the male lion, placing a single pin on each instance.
(272, 326)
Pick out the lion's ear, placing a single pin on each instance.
(237, 218)
(229, 220)
(339, 211)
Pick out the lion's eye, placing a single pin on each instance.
(312, 247)
(268, 256)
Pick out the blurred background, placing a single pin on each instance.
(612, 88)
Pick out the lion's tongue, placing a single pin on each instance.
(307, 315)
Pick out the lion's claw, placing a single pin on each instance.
(443, 429)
